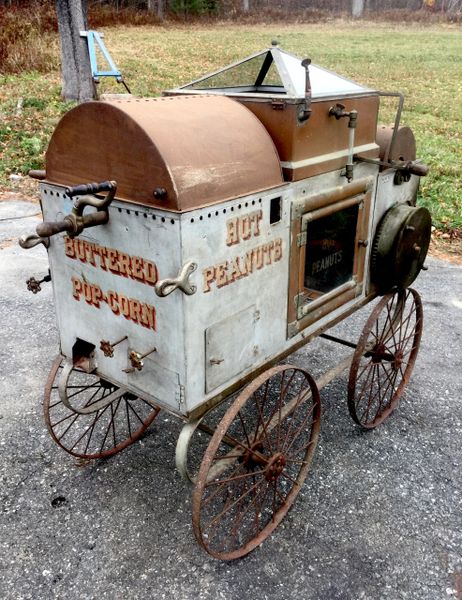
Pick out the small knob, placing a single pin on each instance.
(160, 193)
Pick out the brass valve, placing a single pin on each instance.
(107, 348)
(136, 360)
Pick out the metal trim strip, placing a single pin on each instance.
(299, 164)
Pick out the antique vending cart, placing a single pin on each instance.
(238, 217)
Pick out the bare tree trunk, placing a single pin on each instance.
(246, 5)
(357, 8)
(152, 5)
(454, 6)
(75, 62)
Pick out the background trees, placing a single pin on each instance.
(161, 8)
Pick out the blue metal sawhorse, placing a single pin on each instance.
(93, 39)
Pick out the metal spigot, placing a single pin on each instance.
(136, 360)
(34, 286)
(107, 348)
(338, 111)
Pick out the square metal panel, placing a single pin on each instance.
(230, 347)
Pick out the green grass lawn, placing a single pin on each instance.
(423, 62)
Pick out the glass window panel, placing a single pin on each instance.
(272, 77)
(244, 74)
(330, 250)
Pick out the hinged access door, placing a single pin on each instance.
(328, 251)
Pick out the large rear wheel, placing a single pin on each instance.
(256, 462)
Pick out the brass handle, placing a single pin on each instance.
(75, 222)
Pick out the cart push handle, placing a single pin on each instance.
(90, 188)
(75, 222)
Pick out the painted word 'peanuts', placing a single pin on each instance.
(231, 270)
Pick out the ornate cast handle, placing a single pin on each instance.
(75, 222)
(167, 286)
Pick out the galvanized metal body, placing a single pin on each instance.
(96, 300)
(237, 319)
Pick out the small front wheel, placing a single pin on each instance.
(256, 462)
(91, 417)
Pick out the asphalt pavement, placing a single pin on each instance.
(379, 517)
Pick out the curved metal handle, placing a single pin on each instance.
(87, 200)
(29, 241)
(167, 286)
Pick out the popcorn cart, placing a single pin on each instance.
(237, 218)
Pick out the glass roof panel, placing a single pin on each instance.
(249, 73)
(275, 71)
(323, 82)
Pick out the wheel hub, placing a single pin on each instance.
(254, 457)
(275, 467)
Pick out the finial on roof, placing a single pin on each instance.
(274, 43)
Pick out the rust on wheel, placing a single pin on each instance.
(384, 357)
(99, 433)
(256, 462)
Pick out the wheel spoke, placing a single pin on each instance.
(235, 478)
(241, 420)
(253, 503)
(258, 424)
(216, 492)
(228, 508)
(299, 429)
(263, 424)
(300, 396)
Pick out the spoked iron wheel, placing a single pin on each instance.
(256, 462)
(384, 358)
(95, 419)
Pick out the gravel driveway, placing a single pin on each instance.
(379, 518)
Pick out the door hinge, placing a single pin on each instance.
(278, 104)
(181, 394)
